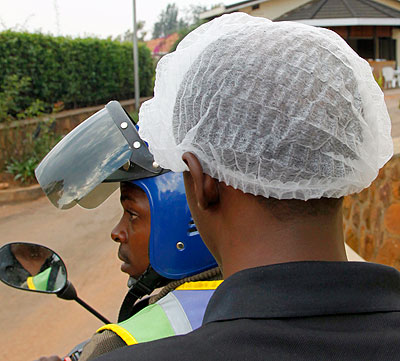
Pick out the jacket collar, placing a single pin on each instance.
(301, 289)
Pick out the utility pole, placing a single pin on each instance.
(57, 13)
(135, 58)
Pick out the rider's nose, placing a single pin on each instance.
(118, 234)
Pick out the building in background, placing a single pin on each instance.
(270, 9)
(370, 27)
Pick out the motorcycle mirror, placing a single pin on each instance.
(32, 267)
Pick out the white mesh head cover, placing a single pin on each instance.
(277, 109)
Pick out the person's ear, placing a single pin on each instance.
(205, 187)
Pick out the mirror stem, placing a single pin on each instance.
(92, 310)
(69, 293)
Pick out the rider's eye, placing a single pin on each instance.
(132, 215)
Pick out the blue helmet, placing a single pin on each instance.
(175, 247)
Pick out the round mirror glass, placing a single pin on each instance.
(32, 267)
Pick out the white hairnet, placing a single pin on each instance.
(278, 109)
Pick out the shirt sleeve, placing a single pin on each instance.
(101, 343)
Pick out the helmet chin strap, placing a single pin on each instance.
(145, 285)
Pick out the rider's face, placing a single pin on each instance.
(133, 230)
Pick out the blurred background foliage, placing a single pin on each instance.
(77, 72)
(23, 145)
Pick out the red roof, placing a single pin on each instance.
(162, 45)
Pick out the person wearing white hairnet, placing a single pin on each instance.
(272, 124)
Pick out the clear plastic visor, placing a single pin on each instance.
(81, 161)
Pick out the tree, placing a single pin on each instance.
(168, 22)
(192, 14)
(128, 34)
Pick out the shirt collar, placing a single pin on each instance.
(300, 289)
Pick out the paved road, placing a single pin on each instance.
(33, 324)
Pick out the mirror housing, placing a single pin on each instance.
(32, 267)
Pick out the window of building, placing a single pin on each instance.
(363, 47)
(255, 7)
(387, 48)
(366, 48)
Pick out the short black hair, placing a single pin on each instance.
(286, 209)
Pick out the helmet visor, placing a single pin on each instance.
(82, 160)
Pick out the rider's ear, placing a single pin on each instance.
(205, 188)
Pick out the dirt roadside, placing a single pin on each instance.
(35, 325)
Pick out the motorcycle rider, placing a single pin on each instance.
(148, 321)
(159, 244)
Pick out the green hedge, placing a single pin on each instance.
(78, 72)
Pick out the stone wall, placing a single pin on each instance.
(372, 217)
